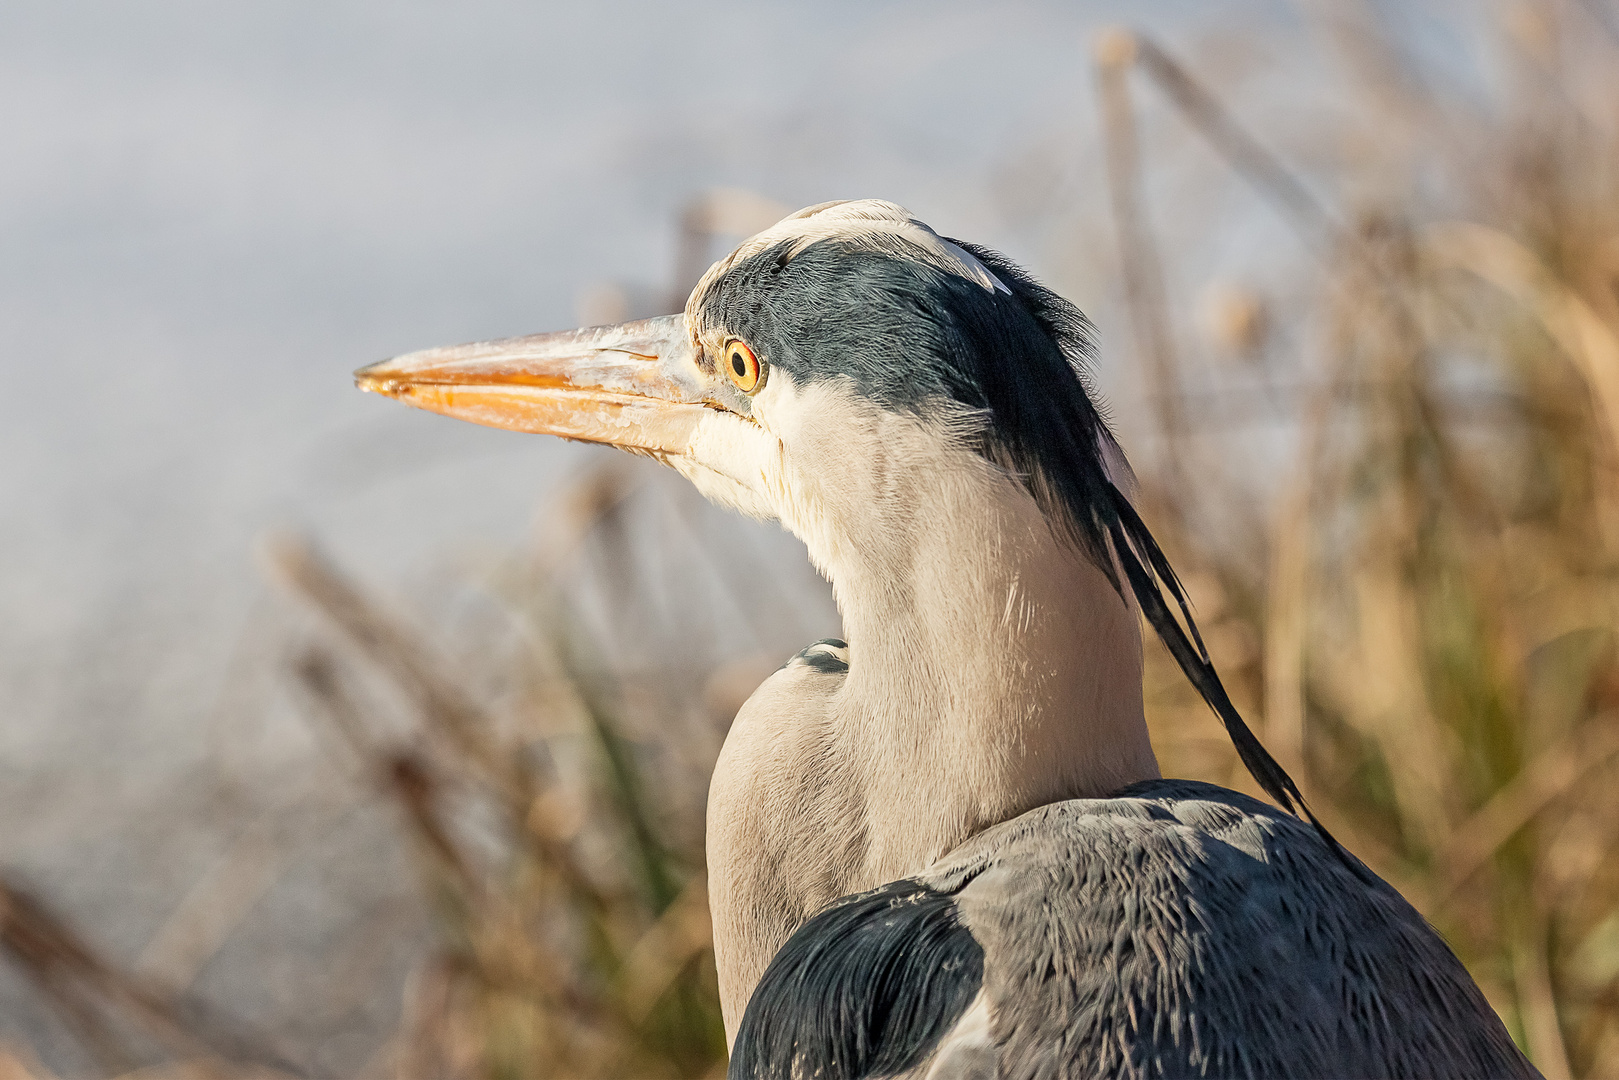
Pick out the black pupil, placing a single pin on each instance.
(738, 366)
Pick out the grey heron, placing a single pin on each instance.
(944, 848)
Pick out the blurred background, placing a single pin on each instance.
(342, 740)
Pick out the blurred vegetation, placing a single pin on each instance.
(1427, 637)
(1416, 604)
(570, 897)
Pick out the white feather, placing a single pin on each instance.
(991, 667)
(862, 221)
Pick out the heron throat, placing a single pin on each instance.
(992, 667)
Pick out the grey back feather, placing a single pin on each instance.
(1181, 929)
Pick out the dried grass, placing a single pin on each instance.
(1430, 644)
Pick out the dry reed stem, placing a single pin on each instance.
(198, 926)
(554, 962)
(1204, 111)
(87, 988)
(1553, 774)
(387, 644)
(1139, 263)
(1590, 343)
(681, 933)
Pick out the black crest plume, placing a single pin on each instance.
(1056, 445)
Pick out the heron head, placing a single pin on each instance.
(839, 344)
(817, 371)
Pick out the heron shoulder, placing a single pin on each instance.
(1181, 928)
(1177, 928)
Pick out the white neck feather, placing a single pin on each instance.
(992, 669)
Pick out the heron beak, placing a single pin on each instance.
(635, 385)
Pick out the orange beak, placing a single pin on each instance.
(636, 385)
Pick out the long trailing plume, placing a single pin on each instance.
(1149, 574)
(1051, 433)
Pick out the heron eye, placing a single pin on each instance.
(743, 367)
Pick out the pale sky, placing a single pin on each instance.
(210, 215)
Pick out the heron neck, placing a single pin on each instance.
(992, 667)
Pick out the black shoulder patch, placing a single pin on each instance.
(829, 656)
(867, 988)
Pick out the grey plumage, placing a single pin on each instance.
(1180, 929)
(1177, 929)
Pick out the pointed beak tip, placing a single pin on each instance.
(634, 385)
(373, 379)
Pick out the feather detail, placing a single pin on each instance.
(1149, 574)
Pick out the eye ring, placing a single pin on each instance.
(742, 367)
